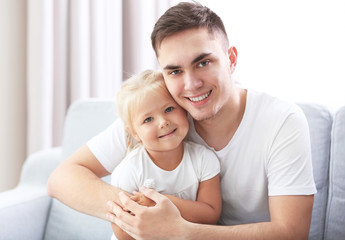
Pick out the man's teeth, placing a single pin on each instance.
(200, 98)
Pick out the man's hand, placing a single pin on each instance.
(162, 221)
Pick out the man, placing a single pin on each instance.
(262, 144)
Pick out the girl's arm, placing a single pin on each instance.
(207, 207)
(119, 233)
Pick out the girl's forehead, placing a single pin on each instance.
(153, 101)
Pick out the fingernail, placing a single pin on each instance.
(109, 204)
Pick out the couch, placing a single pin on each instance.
(27, 212)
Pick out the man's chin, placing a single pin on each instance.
(201, 116)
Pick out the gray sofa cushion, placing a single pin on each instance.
(335, 224)
(67, 224)
(320, 124)
(85, 118)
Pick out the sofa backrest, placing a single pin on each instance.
(84, 119)
(320, 124)
(96, 115)
(335, 215)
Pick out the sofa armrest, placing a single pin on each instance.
(25, 217)
(38, 167)
(24, 209)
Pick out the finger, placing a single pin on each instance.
(153, 195)
(125, 227)
(129, 203)
(110, 206)
(136, 194)
(118, 212)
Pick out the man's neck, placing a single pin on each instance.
(219, 130)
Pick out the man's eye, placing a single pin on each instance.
(175, 72)
(149, 119)
(204, 63)
(169, 109)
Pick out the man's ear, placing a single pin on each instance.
(232, 52)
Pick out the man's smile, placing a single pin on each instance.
(199, 98)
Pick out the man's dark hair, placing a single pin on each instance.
(183, 16)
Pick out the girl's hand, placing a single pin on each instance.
(141, 199)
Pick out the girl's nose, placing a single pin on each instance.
(164, 122)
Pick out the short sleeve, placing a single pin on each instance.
(109, 147)
(205, 161)
(289, 168)
(125, 176)
(211, 165)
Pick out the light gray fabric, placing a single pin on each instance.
(335, 218)
(320, 124)
(67, 224)
(24, 209)
(26, 212)
(25, 220)
(85, 118)
(38, 167)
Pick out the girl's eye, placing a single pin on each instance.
(169, 109)
(204, 63)
(149, 119)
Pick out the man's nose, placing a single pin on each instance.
(192, 82)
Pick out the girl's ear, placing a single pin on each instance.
(133, 133)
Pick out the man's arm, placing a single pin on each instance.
(290, 219)
(76, 182)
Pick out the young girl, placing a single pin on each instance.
(158, 157)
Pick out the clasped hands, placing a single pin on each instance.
(143, 213)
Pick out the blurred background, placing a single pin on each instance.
(53, 52)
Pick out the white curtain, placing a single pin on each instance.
(75, 49)
(74, 52)
(81, 49)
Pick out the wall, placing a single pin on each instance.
(12, 80)
(292, 49)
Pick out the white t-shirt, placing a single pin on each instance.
(198, 164)
(269, 155)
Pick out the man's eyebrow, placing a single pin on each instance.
(171, 67)
(197, 59)
(201, 56)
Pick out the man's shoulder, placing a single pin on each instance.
(270, 106)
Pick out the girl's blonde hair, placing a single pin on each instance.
(133, 91)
